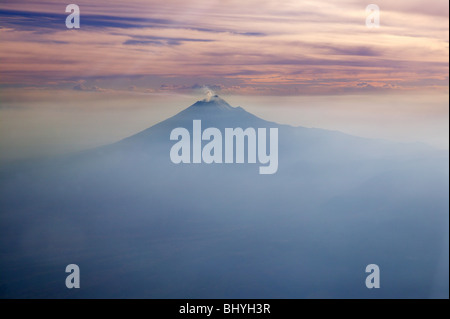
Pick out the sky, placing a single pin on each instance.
(312, 63)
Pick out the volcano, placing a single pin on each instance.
(140, 226)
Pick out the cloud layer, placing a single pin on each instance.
(251, 47)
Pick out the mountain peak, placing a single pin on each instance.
(213, 101)
(213, 111)
(211, 98)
